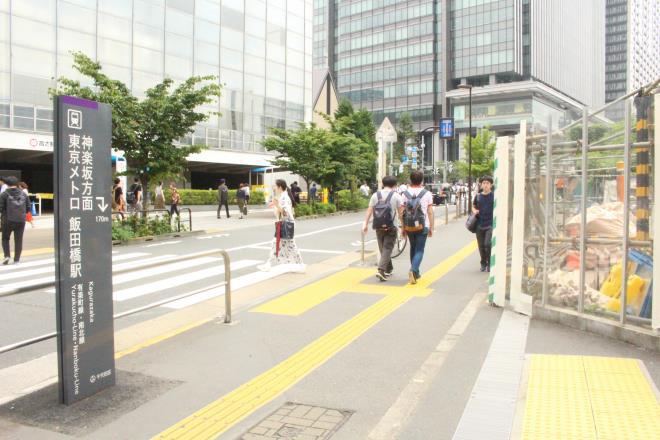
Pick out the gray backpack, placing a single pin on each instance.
(413, 215)
(16, 207)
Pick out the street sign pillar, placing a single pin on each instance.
(385, 136)
(83, 242)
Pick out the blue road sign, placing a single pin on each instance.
(447, 128)
(404, 158)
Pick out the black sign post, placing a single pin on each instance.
(83, 240)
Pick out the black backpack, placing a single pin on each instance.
(131, 196)
(413, 216)
(16, 207)
(383, 212)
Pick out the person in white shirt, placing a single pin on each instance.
(385, 224)
(365, 190)
(3, 185)
(417, 196)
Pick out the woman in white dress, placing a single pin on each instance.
(287, 257)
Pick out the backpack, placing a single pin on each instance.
(413, 216)
(131, 196)
(16, 208)
(383, 212)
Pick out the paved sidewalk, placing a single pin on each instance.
(336, 354)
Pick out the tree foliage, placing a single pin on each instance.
(146, 130)
(404, 133)
(483, 154)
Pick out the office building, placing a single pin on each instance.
(526, 59)
(632, 51)
(260, 49)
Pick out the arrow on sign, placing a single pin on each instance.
(102, 206)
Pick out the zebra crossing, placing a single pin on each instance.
(148, 284)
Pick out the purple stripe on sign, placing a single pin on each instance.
(79, 102)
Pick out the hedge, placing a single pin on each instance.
(210, 197)
(305, 209)
(350, 201)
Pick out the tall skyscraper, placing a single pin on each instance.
(632, 54)
(260, 49)
(526, 59)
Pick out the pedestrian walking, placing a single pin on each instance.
(417, 214)
(246, 189)
(295, 191)
(3, 185)
(14, 206)
(118, 200)
(482, 207)
(160, 196)
(134, 196)
(312, 193)
(240, 200)
(284, 250)
(223, 197)
(365, 190)
(28, 217)
(176, 199)
(384, 205)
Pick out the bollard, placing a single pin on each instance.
(362, 251)
(446, 210)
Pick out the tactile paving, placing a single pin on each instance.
(589, 398)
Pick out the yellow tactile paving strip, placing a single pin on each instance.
(220, 415)
(589, 397)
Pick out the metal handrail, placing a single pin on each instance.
(226, 283)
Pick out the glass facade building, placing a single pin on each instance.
(260, 49)
(396, 56)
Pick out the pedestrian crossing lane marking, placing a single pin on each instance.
(179, 280)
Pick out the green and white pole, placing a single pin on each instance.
(498, 256)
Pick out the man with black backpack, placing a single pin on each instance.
(384, 205)
(223, 197)
(14, 206)
(417, 214)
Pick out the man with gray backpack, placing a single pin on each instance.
(14, 206)
(417, 215)
(384, 205)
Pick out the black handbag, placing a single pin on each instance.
(471, 223)
(285, 229)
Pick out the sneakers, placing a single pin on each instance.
(412, 278)
(388, 274)
(5, 261)
(381, 276)
(483, 268)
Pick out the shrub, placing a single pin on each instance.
(350, 201)
(134, 226)
(303, 209)
(324, 208)
(210, 197)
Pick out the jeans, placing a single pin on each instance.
(484, 237)
(17, 228)
(226, 205)
(417, 243)
(386, 240)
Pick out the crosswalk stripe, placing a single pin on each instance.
(28, 264)
(20, 273)
(236, 283)
(156, 286)
(166, 268)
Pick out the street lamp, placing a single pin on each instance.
(469, 88)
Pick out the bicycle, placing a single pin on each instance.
(400, 244)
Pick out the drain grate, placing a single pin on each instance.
(296, 421)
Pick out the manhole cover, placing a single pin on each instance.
(299, 421)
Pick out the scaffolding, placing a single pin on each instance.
(585, 220)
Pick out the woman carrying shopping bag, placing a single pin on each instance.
(284, 253)
(160, 197)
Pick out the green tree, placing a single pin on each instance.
(358, 128)
(483, 154)
(146, 130)
(404, 132)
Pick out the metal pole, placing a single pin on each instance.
(447, 208)
(548, 203)
(225, 257)
(626, 214)
(583, 199)
(362, 246)
(470, 149)
(444, 159)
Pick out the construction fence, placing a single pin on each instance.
(579, 239)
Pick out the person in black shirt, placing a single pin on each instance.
(483, 207)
